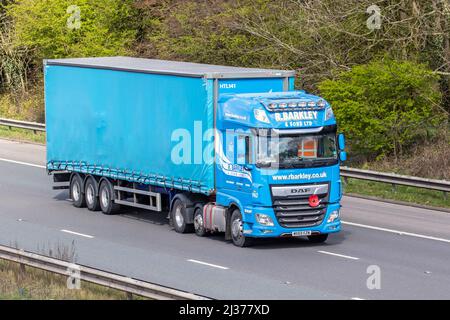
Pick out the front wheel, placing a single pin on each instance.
(237, 230)
(318, 238)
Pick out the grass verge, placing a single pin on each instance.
(22, 135)
(29, 283)
(399, 193)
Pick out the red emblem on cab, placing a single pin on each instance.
(313, 200)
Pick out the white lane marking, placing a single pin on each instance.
(338, 255)
(77, 234)
(23, 163)
(403, 233)
(208, 264)
(356, 298)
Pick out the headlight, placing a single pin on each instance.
(261, 115)
(334, 216)
(264, 219)
(329, 114)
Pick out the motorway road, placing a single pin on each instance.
(411, 246)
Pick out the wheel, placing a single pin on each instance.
(106, 198)
(76, 192)
(318, 238)
(199, 226)
(177, 217)
(90, 192)
(237, 230)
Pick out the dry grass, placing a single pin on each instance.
(399, 193)
(19, 282)
(431, 160)
(28, 283)
(28, 106)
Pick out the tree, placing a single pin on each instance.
(50, 27)
(385, 106)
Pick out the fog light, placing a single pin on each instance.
(333, 216)
(264, 220)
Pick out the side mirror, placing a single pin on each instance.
(341, 141)
(343, 156)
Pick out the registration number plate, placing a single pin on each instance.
(301, 233)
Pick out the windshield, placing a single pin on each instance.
(286, 151)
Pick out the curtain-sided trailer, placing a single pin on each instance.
(115, 126)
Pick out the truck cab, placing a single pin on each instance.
(277, 164)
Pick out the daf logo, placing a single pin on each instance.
(304, 190)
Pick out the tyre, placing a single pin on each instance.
(199, 226)
(90, 193)
(76, 192)
(106, 198)
(237, 230)
(318, 238)
(178, 217)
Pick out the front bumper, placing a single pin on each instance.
(253, 229)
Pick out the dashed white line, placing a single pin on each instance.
(23, 163)
(77, 233)
(208, 264)
(403, 233)
(338, 255)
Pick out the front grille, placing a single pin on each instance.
(295, 212)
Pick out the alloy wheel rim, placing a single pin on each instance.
(179, 217)
(76, 191)
(236, 228)
(105, 198)
(198, 222)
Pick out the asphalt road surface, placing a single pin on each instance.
(409, 246)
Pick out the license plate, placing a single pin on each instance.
(301, 233)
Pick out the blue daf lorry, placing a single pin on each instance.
(218, 148)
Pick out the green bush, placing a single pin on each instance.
(385, 106)
(43, 25)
